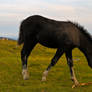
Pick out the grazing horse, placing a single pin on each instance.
(63, 35)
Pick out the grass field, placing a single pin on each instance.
(58, 79)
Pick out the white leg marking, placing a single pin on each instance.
(45, 73)
(74, 78)
(25, 74)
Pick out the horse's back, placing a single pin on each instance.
(50, 33)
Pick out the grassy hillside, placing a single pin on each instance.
(58, 79)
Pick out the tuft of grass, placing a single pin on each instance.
(58, 79)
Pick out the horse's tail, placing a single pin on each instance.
(21, 37)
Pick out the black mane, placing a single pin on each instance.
(84, 31)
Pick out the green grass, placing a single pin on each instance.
(58, 79)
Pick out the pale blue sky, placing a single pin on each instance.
(12, 12)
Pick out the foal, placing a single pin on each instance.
(62, 35)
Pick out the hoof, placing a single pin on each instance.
(75, 81)
(76, 84)
(43, 79)
(25, 74)
(25, 77)
(45, 73)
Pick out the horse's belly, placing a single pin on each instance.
(50, 42)
(50, 39)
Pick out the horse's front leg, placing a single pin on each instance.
(70, 63)
(58, 54)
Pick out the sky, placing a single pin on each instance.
(12, 12)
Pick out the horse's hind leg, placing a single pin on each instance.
(27, 48)
(54, 60)
(70, 63)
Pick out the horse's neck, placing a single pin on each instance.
(86, 48)
(85, 43)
